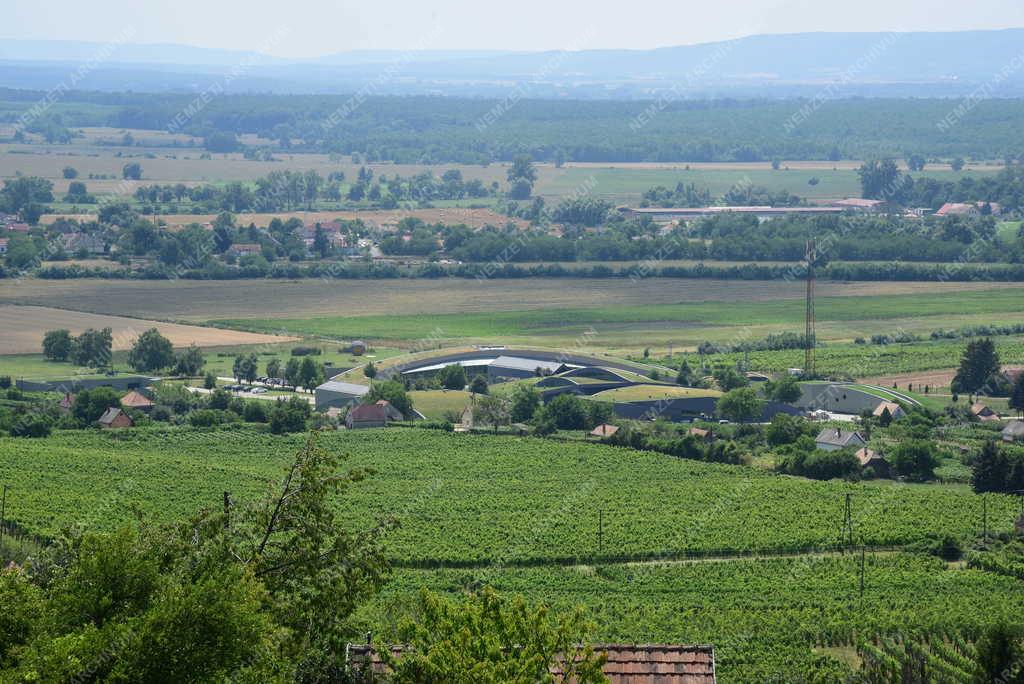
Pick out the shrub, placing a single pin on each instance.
(306, 351)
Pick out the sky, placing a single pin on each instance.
(309, 28)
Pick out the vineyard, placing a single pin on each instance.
(468, 500)
(764, 616)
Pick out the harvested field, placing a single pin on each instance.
(23, 328)
(936, 378)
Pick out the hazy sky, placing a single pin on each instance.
(317, 27)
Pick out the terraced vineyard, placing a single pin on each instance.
(477, 499)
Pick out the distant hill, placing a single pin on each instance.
(778, 65)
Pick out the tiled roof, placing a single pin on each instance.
(136, 399)
(604, 430)
(368, 412)
(109, 415)
(626, 664)
(891, 405)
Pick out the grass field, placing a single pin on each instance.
(434, 404)
(521, 515)
(649, 392)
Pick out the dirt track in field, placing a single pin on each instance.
(22, 329)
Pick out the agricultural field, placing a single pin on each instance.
(617, 182)
(478, 509)
(768, 618)
(498, 497)
(24, 327)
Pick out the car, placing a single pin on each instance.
(259, 390)
(723, 421)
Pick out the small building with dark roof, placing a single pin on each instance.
(869, 458)
(115, 418)
(338, 394)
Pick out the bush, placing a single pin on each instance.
(211, 417)
(256, 412)
(5, 381)
(32, 426)
(306, 351)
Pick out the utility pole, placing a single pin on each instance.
(809, 336)
(846, 536)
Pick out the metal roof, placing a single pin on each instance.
(344, 388)
(521, 363)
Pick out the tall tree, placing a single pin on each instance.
(57, 345)
(978, 365)
(151, 352)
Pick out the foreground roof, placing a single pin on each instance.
(627, 663)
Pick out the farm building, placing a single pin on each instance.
(860, 204)
(115, 418)
(372, 415)
(338, 394)
(874, 460)
(983, 413)
(1014, 431)
(968, 209)
(624, 664)
(137, 400)
(831, 439)
(763, 213)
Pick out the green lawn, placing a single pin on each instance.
(653, 392)
(435, 403)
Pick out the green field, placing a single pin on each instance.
(521, 515)
(477, 498)
(629, 327)
(434, 404)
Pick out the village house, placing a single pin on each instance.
(74, 242)
(895, 410)
(701, 434)
(372, 415)
(115, 418)
(831, 439)
(874, 460)
(243, 249)
(137, 400)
